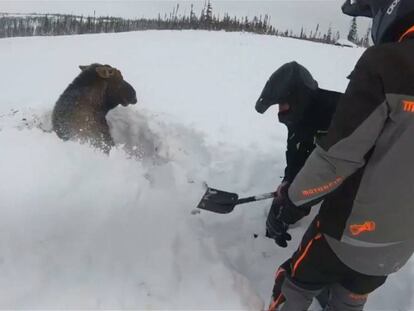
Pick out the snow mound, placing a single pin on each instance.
(94, 231)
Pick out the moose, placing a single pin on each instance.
(79, 113)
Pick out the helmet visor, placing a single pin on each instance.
(357, 8)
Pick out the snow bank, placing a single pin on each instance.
(80, 229)
(83, 230)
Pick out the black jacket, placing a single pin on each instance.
(315, 123)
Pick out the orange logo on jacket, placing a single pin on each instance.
(367, 226)
(324, 188)
(408, 106)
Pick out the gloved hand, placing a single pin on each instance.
(277, 229)
(282, 188)
(282, 214)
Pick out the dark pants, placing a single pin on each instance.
(314, 267)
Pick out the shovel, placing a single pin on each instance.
(222, 202)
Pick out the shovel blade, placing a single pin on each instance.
(218, 201)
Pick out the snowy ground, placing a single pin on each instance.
(79, 229)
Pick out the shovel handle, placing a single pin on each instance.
(257, 198)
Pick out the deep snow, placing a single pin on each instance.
(79, 229)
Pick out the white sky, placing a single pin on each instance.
(286, 14)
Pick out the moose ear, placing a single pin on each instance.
(83, 68)
(105, 71)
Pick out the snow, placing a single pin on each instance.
(79, 229)
(345, 43)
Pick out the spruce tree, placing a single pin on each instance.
(365, 42)
(337, 36)
(329, 35)
(209, 13)
(353, 31)
(316, 31)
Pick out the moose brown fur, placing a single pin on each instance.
(80, 111)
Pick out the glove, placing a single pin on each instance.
(282, 214)
(282, 188)
(277, 229)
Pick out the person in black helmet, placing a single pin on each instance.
(306, 110)
(364, 230)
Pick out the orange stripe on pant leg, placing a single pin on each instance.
(305, 252)
(279, 272)
(276, 303)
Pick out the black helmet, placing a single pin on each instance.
(291, 83)
(390, 18)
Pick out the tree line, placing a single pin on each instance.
(63, 24)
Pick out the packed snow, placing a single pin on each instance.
(80, 229)
(345, 43)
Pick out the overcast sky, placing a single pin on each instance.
(285, 14)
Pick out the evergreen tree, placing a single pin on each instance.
(316, 31)
(353, 31)
(209, 13)
(193, 17)
(329, 35)
(56, 24)
(202, 16)
(266, 23)
(365, 41)
(337, 36)
(46, 26)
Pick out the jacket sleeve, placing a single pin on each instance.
(356, 125)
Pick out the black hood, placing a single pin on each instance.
(291, 83)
